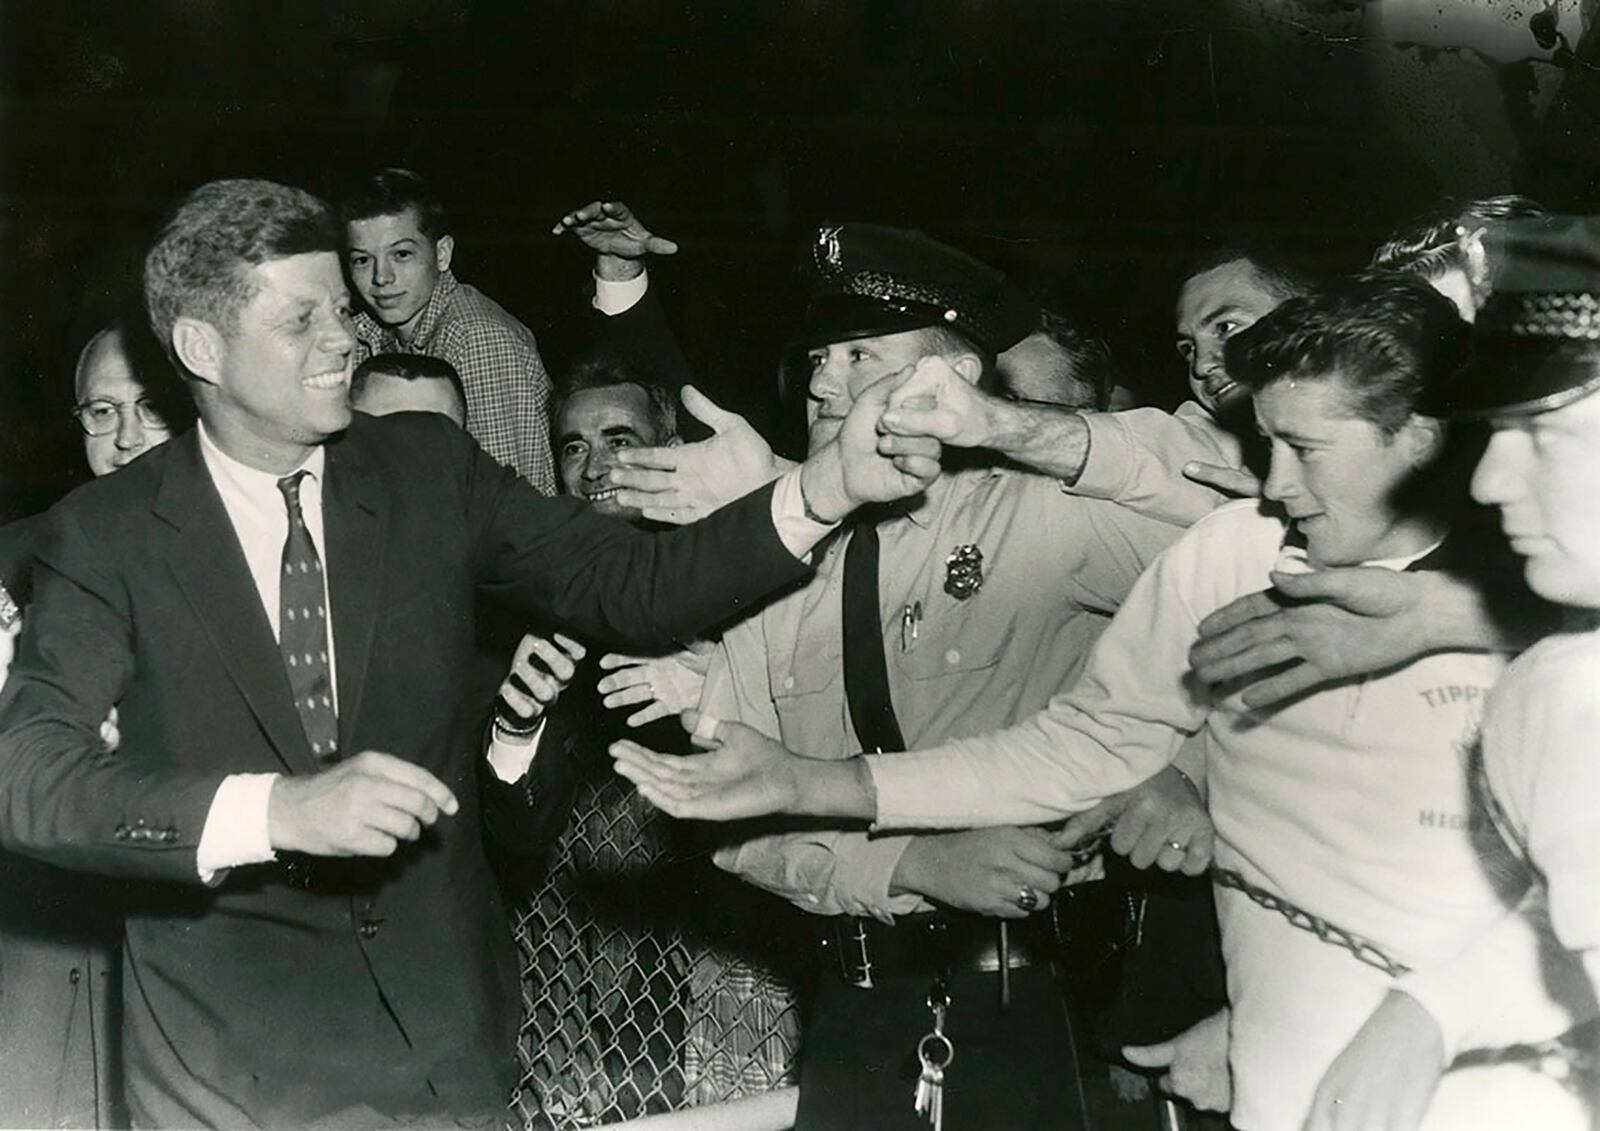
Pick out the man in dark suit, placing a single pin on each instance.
(280, 602)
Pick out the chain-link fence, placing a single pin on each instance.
(651, 981)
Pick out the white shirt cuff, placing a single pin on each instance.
(612, 297)
(235, 832)
(510, 757)
(798, 533)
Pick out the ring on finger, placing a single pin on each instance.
(1027, 898)
(1177, 846)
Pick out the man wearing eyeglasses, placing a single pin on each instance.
(58, 944)
(120, 420)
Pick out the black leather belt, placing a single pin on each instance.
(930, 943)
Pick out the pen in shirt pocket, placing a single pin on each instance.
(910, 622)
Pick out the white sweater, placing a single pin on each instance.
(1352, 802)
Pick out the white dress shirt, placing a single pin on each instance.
(236, 830)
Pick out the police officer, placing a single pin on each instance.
(959, 612)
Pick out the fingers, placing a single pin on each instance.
(529, 689)
(409, 774)
(631, 672)
(707, 411)
(1150, 1056)
(1263, 652)
(638, 468)
(588, 214)
(653, 711)
(656, 245)
(1288, 684)
(1149, 843)
(1086, 824)
(1343, 587)
(1229, 480)
(629, 696)
(559, 656)
(704, 729)
(1197, 858)
(940, 423)
(641, 764)
(1039, 850)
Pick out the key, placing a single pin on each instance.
(934, 1054)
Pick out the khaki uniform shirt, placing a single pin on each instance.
(1055, 567)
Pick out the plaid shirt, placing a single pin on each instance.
(508, 391)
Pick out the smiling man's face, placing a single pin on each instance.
(281, 378)
(1212, 307)
(594, 425)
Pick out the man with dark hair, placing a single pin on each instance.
(1348, 846)
(1059, 363)
(606, 405)
(1137, 457)
(280, 603)
(963, 609)
(408, 382)
(398, 253)
(1445, 247)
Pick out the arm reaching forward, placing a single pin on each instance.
(744, 774)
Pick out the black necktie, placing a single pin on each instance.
(866, 674)
(303, 629)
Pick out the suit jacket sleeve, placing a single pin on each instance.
(643, 336)
(598, 577)
(525, 817)
(63, 796)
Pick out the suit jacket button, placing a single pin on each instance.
(369, 929)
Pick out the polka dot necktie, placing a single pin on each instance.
(303, 629)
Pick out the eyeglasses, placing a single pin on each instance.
(102, 417)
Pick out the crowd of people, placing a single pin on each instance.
(1282, 691)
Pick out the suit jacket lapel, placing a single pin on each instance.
(355, 516)
(210, 569)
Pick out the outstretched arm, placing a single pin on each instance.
(1310, 629)
(685, 482)
(938, 403)
(744, 774)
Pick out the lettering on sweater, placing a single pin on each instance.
(1453, 822)
(1453, 693)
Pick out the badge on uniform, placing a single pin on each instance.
(963, 571)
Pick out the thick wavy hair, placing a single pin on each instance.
(605, 370)
(1430, 245)
(1390, 338)
(199, 265)
(389, 192)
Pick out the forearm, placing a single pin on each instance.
(836, 789)
(826, 871)
(1456, 614)
(1052, 441)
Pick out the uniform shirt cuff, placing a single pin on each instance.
(871, 872)
(798, 533)
(1108, 460)
(510, 757)
(235, 831)
(612, 298)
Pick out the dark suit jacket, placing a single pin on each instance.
(283, 995)
(643, 336)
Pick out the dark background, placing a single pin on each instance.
(1089, 148)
